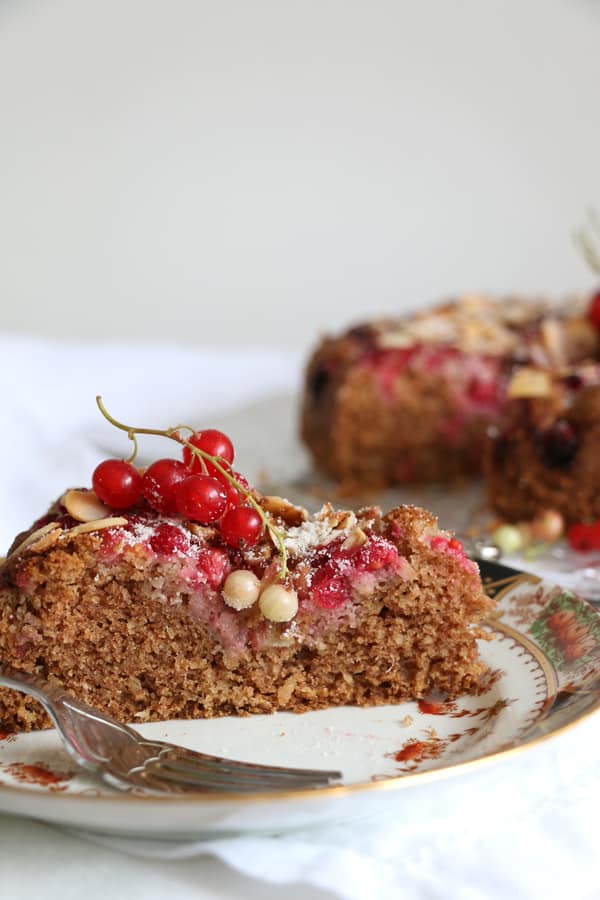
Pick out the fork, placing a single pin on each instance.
(124, 759)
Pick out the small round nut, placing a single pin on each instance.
(278, 604)
(241, 589)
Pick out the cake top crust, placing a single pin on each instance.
(539, 331)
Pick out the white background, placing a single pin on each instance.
(253, 171)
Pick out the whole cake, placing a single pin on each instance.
(412, 399)
(180, 592)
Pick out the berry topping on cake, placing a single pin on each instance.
(241, 527)
(212, 442)
(558, 444)
(202, 597)
(117, 483)
(160, 483)
(594, 310)
(201, 498)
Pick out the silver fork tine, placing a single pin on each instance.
(183, 759)
(173, 769)
(160, 779)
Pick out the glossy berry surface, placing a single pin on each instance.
(241, 527)
(159, 483)
(584, 537)
(214, 565)
(168, 540)
(331, 584)
(213, 442)
(117, 483)
(594, 310)
(234, 497)
(558, 444)
(201, 498)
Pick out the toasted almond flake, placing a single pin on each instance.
(356, 538)
(97, 525)
(553, 339)
(283, 509)
(36, 537)
(84, 506)
(406, 722)
(394, 340)
(341, 519)
(527, 382)
(202, 531)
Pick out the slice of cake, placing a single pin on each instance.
(545, 455)
(411, 399)
(180, 592)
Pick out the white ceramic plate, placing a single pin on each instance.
(545, 676)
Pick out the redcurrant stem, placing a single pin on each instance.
(202, 456)
(589, 243)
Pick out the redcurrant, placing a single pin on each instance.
(241, 527)
(213, 442)
(168, 540)
(328, 590)
(117, 483)
(159, 483)
(594, 310)
(558, 444)
(234, 497)
(584, 537)
(201, 498)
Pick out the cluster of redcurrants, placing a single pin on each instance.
(193, 488)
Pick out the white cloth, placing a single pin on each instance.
(525, 828)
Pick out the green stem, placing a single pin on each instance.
(589, 244)
(203, 457)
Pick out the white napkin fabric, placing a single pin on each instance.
(524, 828)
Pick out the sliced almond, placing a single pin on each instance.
(394, 340)
(97, 525)
(36, 537)
(281, 508)
(41, 538)
(527, 382)
(553, 339)
(84, 506)
(356, 538)
(207, 532)
(336, 518)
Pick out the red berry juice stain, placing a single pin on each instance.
(38, 774)
(7, 735)
(413, 752)
(437, 708)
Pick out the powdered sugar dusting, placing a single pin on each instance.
(318, 532)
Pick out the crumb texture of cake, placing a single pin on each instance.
(412, 399)
(546, 455)
(131, 613)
